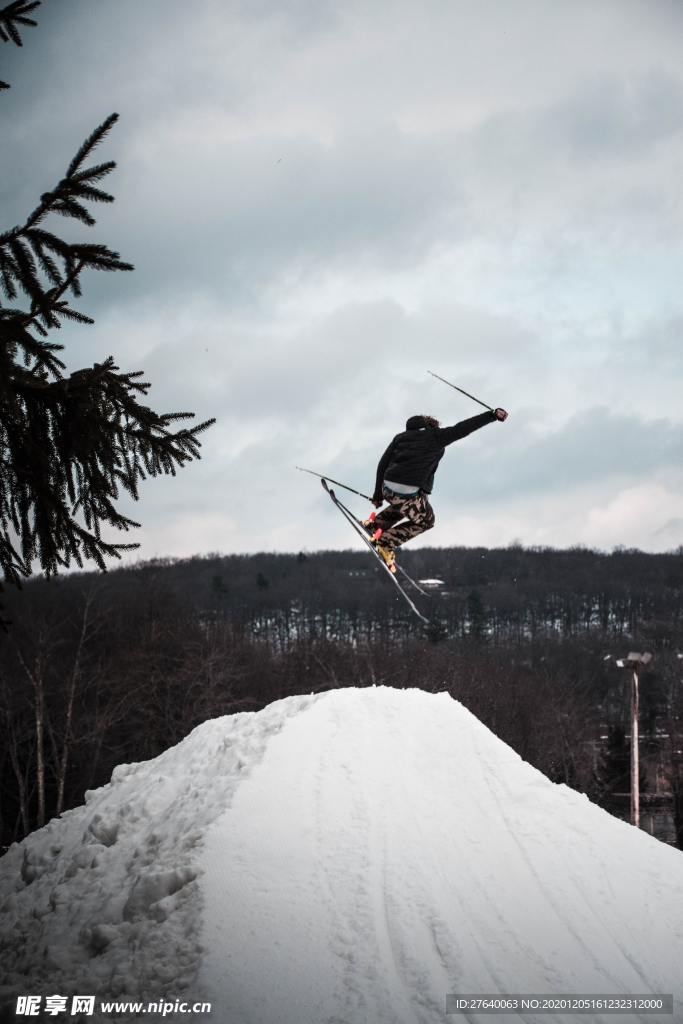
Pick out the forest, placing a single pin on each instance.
(101, 669)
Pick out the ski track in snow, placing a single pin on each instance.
(424, 857)
(345, 858)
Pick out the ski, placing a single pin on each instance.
(366, 540)
(406, 576)
(412, 581)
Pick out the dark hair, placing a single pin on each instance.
(420, 422)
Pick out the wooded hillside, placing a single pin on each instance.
(98, 670)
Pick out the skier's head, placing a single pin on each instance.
(420, 422)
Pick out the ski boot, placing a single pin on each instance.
(371, 527)
(387, 555)
(369, 524)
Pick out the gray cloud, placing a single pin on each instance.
(614, 117)
(595, 446)
(672, 529)
(323, 201)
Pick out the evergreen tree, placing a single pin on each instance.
(69, 444)
(477, 618)
(612, 779)
(12, 17)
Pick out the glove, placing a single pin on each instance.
(501, 414)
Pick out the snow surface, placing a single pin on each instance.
(343, 858)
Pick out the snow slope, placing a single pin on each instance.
(389, 849)
(343, 858)
(105, 899)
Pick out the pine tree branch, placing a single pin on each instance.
(70, 185)
(69, 445)
(29, 253)
(50, 301)
(12, 16)
(93, 140)
(80, 438)
(15, 14)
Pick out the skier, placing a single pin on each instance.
(405, 477)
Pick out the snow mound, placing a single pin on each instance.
(105, 899)
(343, 858)
(389, 849)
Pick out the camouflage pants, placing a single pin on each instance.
(416, 510)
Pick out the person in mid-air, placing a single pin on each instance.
(405, 477)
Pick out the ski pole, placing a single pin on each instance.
(462, 392)
(322, 477)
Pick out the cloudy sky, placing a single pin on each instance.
(325, 199)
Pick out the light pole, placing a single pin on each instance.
(635, 662)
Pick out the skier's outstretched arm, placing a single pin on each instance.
(468, 426)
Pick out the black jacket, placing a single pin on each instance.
(414, 454)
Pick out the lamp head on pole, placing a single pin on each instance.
(634, 659)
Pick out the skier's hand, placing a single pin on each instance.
(501, 414)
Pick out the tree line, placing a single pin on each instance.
(96, 670)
